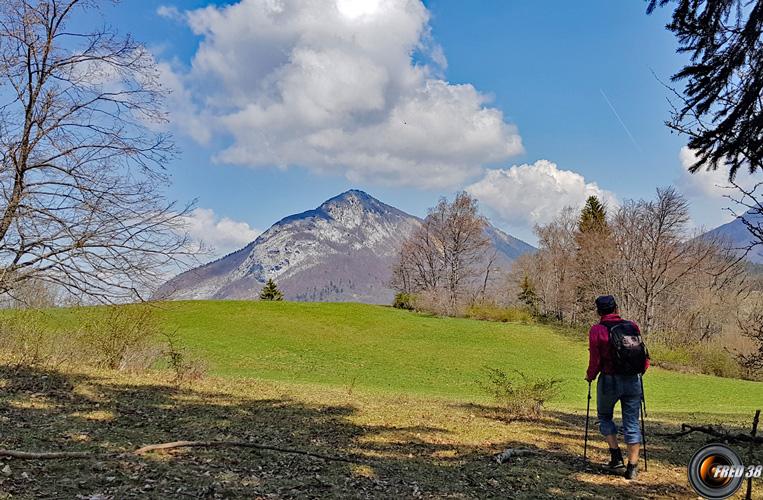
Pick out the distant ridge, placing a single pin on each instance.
(738, 236)
(342, 250)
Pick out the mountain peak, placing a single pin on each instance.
(353, 200)
(356, 201)
(356, 193)
(351, 196)
(342, 250)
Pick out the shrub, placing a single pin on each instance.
(709, 358)
(25, 341)
(521, 396)
(122, 338)
(670, 358)
(184, 368)
(488, 312)
(714, 360)
(403, 301)
(118, 338)
(434, 303)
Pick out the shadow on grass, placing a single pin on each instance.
(46, 410)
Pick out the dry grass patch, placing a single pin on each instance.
(400, 446)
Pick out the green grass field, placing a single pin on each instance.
(380, 349)
(392, 390)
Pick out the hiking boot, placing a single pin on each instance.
(632, 471)
(616, 459)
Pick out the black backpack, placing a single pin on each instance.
(628, 347)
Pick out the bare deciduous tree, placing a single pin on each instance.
(81, 156)
(658, 252)
(751, 326)
(462, 231)
(663, 276)
(420, 265)
(448, 254)
(556, 263)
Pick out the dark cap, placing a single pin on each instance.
(605, 304)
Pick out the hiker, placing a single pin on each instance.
(617, 352)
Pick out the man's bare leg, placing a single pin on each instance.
(631, 472)
(615, 455)
(612, 441)
(633, 451)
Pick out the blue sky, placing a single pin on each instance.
(560, 72)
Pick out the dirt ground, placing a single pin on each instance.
(396, 447)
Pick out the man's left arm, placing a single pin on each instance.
(593, 356)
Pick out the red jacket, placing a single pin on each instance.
(601, 353)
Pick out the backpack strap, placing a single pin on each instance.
(611, 324)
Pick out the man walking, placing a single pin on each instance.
(618, 353)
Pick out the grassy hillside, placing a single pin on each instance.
(391, 392)
(379, 349)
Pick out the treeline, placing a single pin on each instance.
(665, 277)
(694, 298)
(692, 295)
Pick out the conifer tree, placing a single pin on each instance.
(527, 294)
(270, 291)
(720, 99)
(593, 254)
(593, 217)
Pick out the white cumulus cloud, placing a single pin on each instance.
(710, 183)
(220, 235)
(710, 191)
(524, 195)
(337, 86)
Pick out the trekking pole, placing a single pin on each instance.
(643, 428)
(643, 400)
(587, 412)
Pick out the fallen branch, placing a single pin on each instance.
(706, 429)
(53, 455)
(238, 444)
(27, 455)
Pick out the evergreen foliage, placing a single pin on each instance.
(593, 217)
(721, 103)
(527, 294)
(403, 301)
(270, 291)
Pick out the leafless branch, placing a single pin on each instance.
(82, 158)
